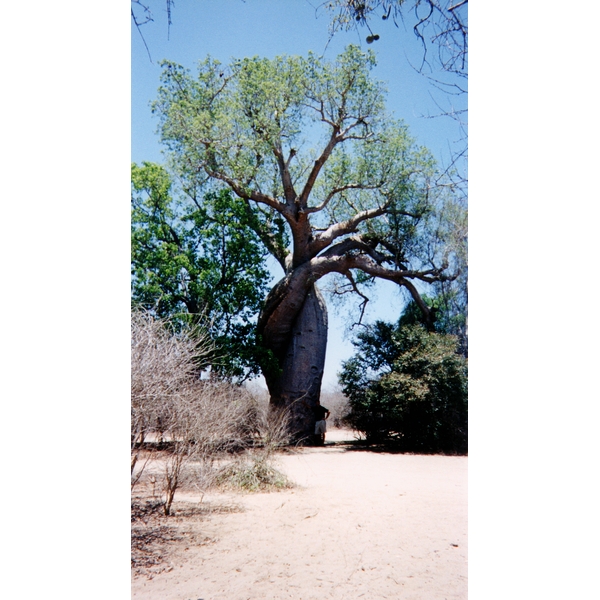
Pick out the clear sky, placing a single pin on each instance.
(228, 29)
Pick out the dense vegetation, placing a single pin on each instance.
(409, 386)
(198, 260)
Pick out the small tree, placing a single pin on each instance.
(409, 385)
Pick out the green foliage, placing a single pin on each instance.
(245, 123)
(198, 261)
(408, 385)
(230, 118)
(450, 315)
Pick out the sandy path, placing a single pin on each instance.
(362, 524)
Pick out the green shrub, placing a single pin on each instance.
(410, 386)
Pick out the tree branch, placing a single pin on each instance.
(314, 173)
(286, 298)
(138, 25)
(337, 190)
(267, 237)
(458, 5)
(363, 304)
(245, 193)
(335, 231)
(286, 179)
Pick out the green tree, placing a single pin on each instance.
(447, 299)
(408, 385)
(336, 186)
(198, 260)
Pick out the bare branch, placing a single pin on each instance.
(352, 244)
(314, 173)
(139, 24)
(363, 304)
(322, 240)
(400, 277)
(288, 186)
(247, 194)
(320, 110)
(458, 5)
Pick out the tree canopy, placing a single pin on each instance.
(309, 143)
(198, 259)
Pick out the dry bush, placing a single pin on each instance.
(271, 427)
(254, 470)
(207, 420)
(183, 424)
(162, 367)
(195, 420)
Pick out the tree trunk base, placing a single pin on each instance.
(299, 386)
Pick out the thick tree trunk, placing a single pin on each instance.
(298, 386)
(293, 326)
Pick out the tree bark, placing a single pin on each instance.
(298, 385)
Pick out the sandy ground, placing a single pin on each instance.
(358, 525)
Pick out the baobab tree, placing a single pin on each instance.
(336, 185)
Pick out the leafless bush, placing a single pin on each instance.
(162, 367)
(253, 470)
(208, 419)
(195, 420)
(272, 427)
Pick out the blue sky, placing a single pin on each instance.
(228, 29)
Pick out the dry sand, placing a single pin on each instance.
(360, 524)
